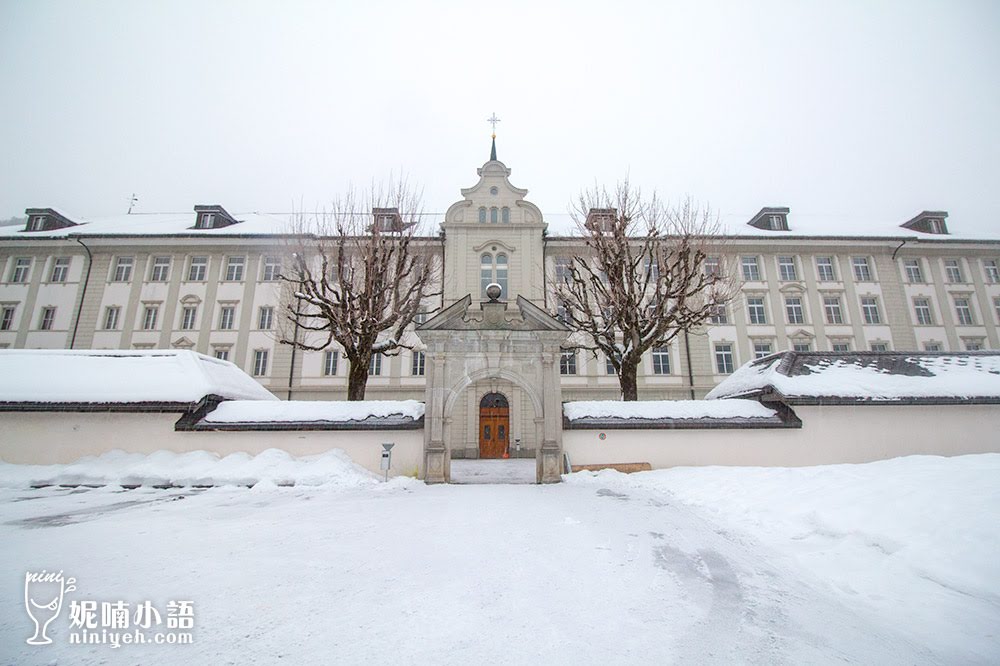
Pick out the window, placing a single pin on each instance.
(562, 312)
(36, 223)
(418, 363)
(834, 313)
(22, 268)
(724, 362)
(609, 367)
(720, 314)
(922, 308)
(992, 270)
(996, 306)
(963, 311)
(862, 269)
(207, 221)
(420, 317)
(801, 345)
(494, 191)
(761, 348)
(661, 360)
(123, 269)
(774, 223)
(375, 365)
(330, 362)
(260, 362)
(161, 269)
(111, 317)
(751, 271)
(563, 273)
(149, 316)
(485, 273)
(869, 306)
(786, 269)
(824, 269)
(953, 271)
(265, 318)
(713, 266)
(197, 269)
(60, 268)
(505, 215)
(879, 347)
(494, 215)
(841, 346)
(482, 214)
(932, 346)
(651, 270)
(227, 313)
(567, 363)
(234, 269)
(188, 316)
(222, 353)
(973, 344)
(7, 318)
(755, 310)
(793, 308)
(501, 275)
(914, 273)
(48, 317)
(272, 267)
(490, 272)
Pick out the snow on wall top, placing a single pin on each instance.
(91, 376)
(667, 409)
(313, 411)
(867, 376)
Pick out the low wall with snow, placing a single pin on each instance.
(829, 435)
(64, 437)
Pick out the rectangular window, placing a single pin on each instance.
(330, 362)
(260, 363)
(786, 269)
(932, 346)
(562, 265)
(720, 314)
(869, 306)
(963, 311)
(418, 363)
(272, 267)
(914, 273)
(834, 313)
(713, 266)
(149, 317)
(824, 269)
(609, 367)
(567, 363)
(222, 354)
(47, 319)
(862, 269)
(375, 364)
(841, 346)
(973, 344)
(227, 314)
(922, 308)
(111, 318)
(198, 269)
(234, 269)
(7, 318)
(161, 269)
(188, 317)
(60, 269)
(751, 271)
(879, 347)
(265, 318)
(761, 349)
(22, 268)
(724, 362)
(661, 360)
(793, 308)
(801, 345)
(123, 269)
(992, 270)
(755, 310)
(953, 271)
(996, 307)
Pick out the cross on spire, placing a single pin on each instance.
(493, 120)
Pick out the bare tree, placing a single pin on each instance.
(647, 273)
(357, 277)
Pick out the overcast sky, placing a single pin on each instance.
(851, 111)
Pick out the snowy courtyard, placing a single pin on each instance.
(890, 562)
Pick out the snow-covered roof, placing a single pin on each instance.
(831, 377)
(121, 377)
(670, 414)
(160, 224)
(277, 415)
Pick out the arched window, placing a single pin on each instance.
(501, 274)
(505, 215)
(485, 273)
(494, 215)
(491, 270)
(482, 214)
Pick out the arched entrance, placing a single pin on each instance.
(494, 425)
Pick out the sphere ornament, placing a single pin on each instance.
(493, 291)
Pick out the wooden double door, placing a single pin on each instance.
(494, 426)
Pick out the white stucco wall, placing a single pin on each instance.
(829, 435)
(62, 437)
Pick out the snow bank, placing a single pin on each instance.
(90, 376)
(249, 411)
(667, 409)
(270, 468)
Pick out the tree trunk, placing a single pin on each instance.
(357, 381)
(627, 377)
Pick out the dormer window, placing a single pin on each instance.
(928, 222)
(46, 219)
(771, 219)
(389, 220)
(601, 219)
(212, 217)
(36, 223)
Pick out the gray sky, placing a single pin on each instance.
(856, 111)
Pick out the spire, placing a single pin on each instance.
(493, 120)
(493, 150)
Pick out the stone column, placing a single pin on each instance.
(436, 468)
(548, 461)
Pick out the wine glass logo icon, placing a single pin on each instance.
(43, 599)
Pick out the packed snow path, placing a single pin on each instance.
(403, 573)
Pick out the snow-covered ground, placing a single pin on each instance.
(885, 563)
